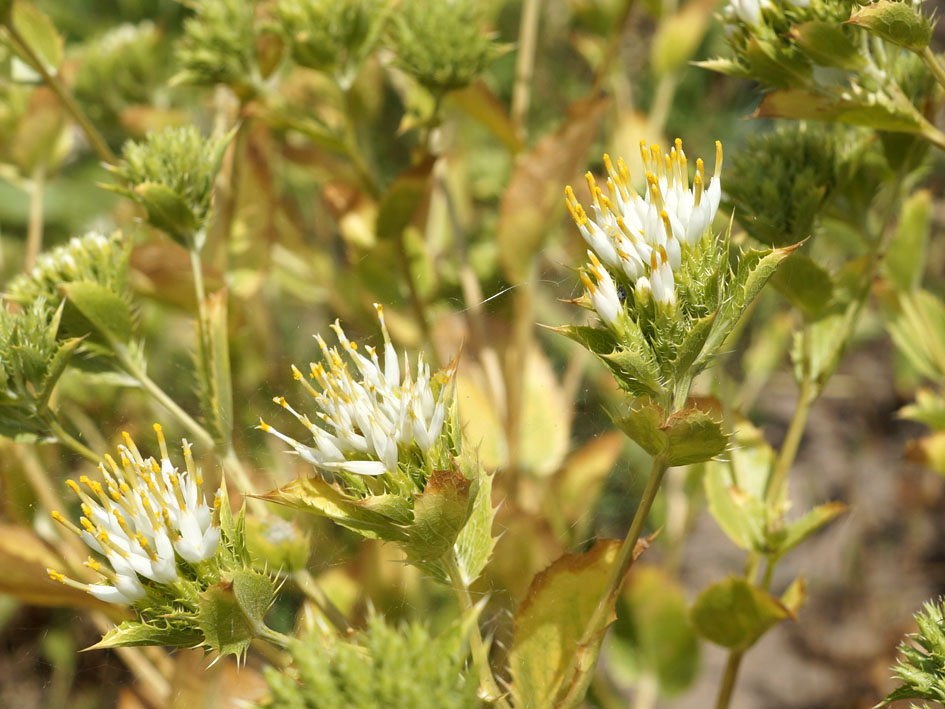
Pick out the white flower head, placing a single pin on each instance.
(602, 292)
(367, 413)
(141, 518)
(639, 237)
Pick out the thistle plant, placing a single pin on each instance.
(920, 667)
(179, 562)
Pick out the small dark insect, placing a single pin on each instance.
(622, 294)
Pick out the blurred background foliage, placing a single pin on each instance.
(393, 157)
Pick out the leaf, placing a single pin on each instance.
(24, 558)
(740, 514)
(653, 635)
(315, 496)
(724, 66)
(693, 437)
(132, 633)
(644, 426)
(905, 260)
(827, 44)
(896, 22)
(226, 627)
(551, 621)
(533, 195)
(775, 68)
(475, 542)
(482, 426)
(802, 104)
(167, 210)
(108, 314)
(439, 512)
(678, 36)
(804, 283)
(734, 613)
(56, 368)
(402, 198)
(478, 102)
(795, 596)
(691, 347)
(928, 451)
(798, 531)
(39, 33)
(217, 402)
(545, 431)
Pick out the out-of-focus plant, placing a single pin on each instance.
(920, 667)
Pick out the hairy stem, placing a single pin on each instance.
(62, 93)
(580, 670)
(488, 687)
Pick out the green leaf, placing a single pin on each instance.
(773, 68)
(801, 104)
(402, 198)
(439, 512)
(230, 613)
(678, 36)
(168, 211)
(315, 496)
(479, 103)
(213, 361)
(39, 33)
(795, 596)
(896, 22)
(724, 66)
(57, 366)
(693, 437)
(798, 531)
(827, 44)
(475, 542)
(905, 261)
(740, 514)
(804, 283)
(108, 314)
(691, 347)
(653, 635)
(734, 613)
(551, 621)
(131, 633)
(644, 426)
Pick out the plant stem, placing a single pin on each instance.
(273, 636)
(580, 670)
(792, 441)
(488, 687)
(130, 366)
(934, 65)
(525, 65)
(308, 585)
(71, 442)
(62, 93)
(728, 679)
(34, 230)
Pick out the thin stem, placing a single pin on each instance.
(34, 229)
(792, 441)
(66, 439)
(525, 65)
(130, 366)
(580, 670)
(729, 677)
(278, 639)
(416, 299)
(308, 585)
(487, 684)
(62, 93)
(235, 176)
(613, 46)
(934, 65)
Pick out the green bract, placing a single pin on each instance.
(381, 666)
(921, 666)
(330, 35)
(441, 44)
(219, 45)
(171, 173)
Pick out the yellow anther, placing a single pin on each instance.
(57, 516)
(56, 576)
(666, 225)
(588, 283)
(718, 158)
(697, 188)
(281, 401)
(654, 264)
(86, 525)
(592, 186)
(594, 260)
(92, 564)
(296, 374)
(663, 257)
(72, 485)
(700, 168)
(263, 426)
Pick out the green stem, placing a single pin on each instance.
(525, 65)
(792, 441)
(273, 636)
(934, 65)
(130, 366)
(308, 585)
(34, 231)
(72, 443)
(487, 685)
(62, 93)
(580, 669)
(729, 676)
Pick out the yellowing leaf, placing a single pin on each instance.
(546, 418)
(482, 427)
(734, 613)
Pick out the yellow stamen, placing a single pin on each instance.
(718, 158)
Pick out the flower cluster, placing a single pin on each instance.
(141, 518)
(638, 241)
(368, 422)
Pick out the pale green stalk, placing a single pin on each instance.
(62, 93)
(934, 65)
(480, 652)
(34, 228)
(525, 64)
